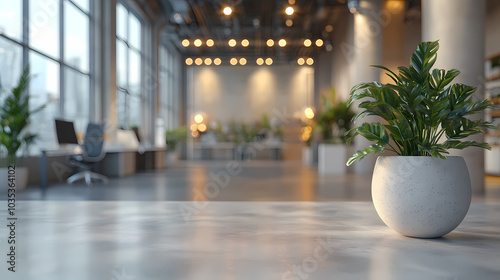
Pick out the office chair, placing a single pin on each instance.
(92, 152)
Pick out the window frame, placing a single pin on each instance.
(27, 49)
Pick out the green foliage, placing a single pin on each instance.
(419, 108)
(15, 114)
(335, 120)
(175, 136)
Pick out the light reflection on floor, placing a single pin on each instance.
(255, 181)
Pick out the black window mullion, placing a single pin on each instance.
(62, 90)
(91, 63)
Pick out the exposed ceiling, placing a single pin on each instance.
(257, 21)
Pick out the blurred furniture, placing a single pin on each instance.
(92, 153)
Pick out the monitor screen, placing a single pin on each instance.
(66, 132)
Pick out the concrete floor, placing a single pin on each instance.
(254, 220)
(210, 180)
(157, 240)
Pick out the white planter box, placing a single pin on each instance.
(492, 161)
(307, 156)
(332, 159)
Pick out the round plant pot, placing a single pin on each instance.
(421, 196)
(21, 174)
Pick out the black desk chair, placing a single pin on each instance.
(92, 152)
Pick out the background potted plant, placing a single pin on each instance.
(14, 136)
(173, 138)
(333, 122)
(420, 192)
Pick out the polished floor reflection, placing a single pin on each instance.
(215, 181)
(157, 240)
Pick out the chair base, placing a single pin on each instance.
(88, 176)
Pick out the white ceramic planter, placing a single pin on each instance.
(307, 156)
(423, 197)
(21, 174)
(332, 159)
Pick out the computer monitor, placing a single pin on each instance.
(66, 132)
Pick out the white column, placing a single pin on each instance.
(459, 26)
(367, 51)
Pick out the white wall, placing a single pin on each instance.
(245, 93)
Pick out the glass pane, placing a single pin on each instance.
(76, 99)
(83, 4)
(122, 108)
(121, 21)
(134, 78)
(134, 111)
(11, 57)
(121, 64)
(44, 26)
(11, 19)
(76, 37)
(44, 90)
(134, 32)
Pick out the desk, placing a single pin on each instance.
(117, 162)
(243, 240)
(61, 152)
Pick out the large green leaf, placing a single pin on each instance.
(374, 148)
(419, 108)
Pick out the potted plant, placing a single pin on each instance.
(14, 136)
(173, 138)
(420, 192)
(333, 123)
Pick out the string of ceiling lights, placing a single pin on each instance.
(227, 11)
(242, 61)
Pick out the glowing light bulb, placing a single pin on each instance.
(319, 42)
(289, 11)
(189, 61)
(198, 61)
(197, 43)
(309, 113)
(243, 61)
(198, 118)
(233, 61)
(307, 43)
(260, 61)
(202, 127)
(231, 43)
(309, 61)
(289, 22)
(217, 61)
(282, 43)
(245, 43)
(227, 10)
(270, 42)
(269, 61)
(210, 43)
(185, 43)
(300, 61)
(208, 61)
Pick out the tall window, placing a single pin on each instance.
(58, 55)
(169, 87)
(128, 67)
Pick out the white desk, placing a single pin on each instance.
(117, 162)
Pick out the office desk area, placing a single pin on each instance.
(117, 162)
